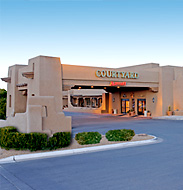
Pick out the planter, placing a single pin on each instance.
(169, 113)
(132, 113)
(128, 114)
(148, 114)
(115, 111)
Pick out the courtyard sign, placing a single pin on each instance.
(116, 74)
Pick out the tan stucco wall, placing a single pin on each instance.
(178, 90)
(43, 103)
(165, 93)
(19, 121)
(117, 102)
(82, 75)
(18, 102)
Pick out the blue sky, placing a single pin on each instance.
(91, 32)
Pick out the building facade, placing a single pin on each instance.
(143, 87)
(37, 92)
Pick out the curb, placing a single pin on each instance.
(179, 118)
(24, 157)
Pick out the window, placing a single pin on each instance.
(10, 101)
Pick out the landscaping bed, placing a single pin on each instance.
(74, 145)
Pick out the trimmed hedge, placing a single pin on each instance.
(4, 135)
(59, 140)
(88, 138)
(11, 138)
(120, 135)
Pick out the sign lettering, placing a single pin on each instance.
(116, 74)
(117, 83)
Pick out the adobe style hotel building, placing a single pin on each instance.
(37, 92)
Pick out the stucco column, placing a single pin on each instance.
(104, 101)
(84, 99)
(99, 100)
(110, 103)
(77, 102)
(91, 102)
(69, 100)
(95, 102)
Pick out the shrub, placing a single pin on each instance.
(16, 141)
(3, 94)
(88, 138)
(120, 135)
(59, 140)
(52, 142)
(36, 141)
(4, 134)
(11, 138)
(169, 108)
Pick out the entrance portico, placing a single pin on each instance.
(126, 88)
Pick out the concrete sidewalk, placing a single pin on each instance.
(172, 117)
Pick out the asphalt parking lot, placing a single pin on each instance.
(157, 166)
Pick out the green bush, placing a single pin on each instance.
(88, 138)
(3, 94)
(15, 140)
(59, 140)
(52, 142)
(120, 135)
(4, 134)
(11, 138)
(36, 141)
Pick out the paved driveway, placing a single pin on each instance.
(152, 167)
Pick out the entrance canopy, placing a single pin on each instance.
(112, 88)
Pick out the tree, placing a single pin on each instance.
(3, 95)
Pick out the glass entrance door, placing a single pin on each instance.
(125, 105)
(141, 106)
